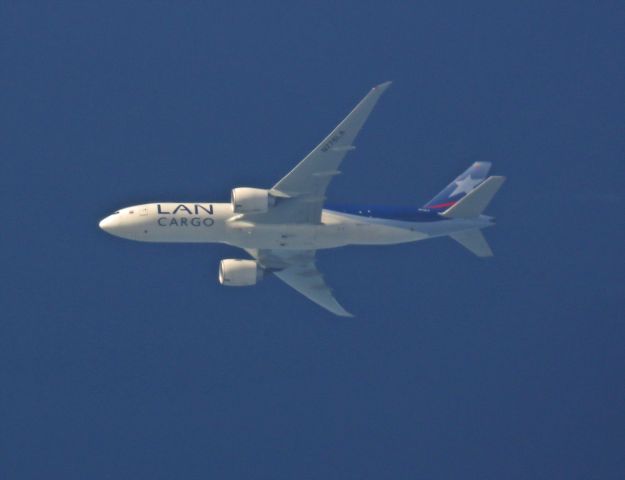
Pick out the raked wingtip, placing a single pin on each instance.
(383, 86)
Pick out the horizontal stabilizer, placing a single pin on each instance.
(473, 204)
(474, 241)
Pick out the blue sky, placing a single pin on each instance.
(127, 360)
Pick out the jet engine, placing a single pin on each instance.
(251, 200)
(239, 273)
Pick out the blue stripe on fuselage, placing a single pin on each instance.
(403, 214)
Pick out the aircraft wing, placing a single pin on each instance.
(297, 269)
(301, 192)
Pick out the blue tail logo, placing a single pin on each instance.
(462, 185)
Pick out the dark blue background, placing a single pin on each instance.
(127, 360)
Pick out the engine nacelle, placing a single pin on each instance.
(251, 200)
(239, 273)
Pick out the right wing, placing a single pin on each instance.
(297, 269)
(301, 192)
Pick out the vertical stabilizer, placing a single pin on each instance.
(466, 182)
(474, 203)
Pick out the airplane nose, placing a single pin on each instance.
(107, 223)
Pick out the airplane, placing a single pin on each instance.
(282, 227)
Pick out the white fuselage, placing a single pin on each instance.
(216, 223)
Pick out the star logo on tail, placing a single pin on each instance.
(465, 185)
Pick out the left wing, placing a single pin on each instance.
(301, 192)
(297, 269)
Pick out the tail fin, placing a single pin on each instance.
(474, 203)
(461, 186)
(474, 241)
